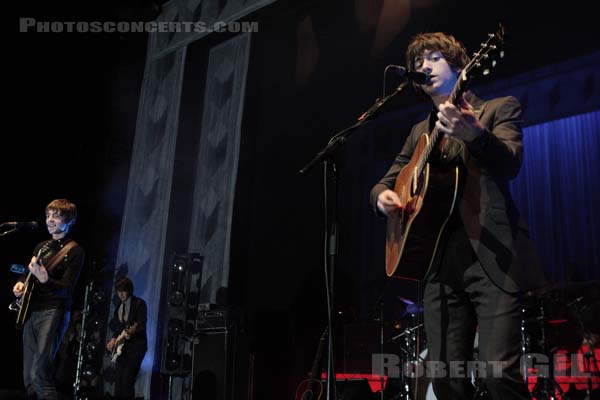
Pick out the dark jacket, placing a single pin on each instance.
(498, 235)
(57, 292)
(137, 313)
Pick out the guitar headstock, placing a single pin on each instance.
(484, 60)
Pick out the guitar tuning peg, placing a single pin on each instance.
(494, 63)
(502, 54)
(486, 72)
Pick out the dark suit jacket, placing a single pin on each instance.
(498, 235)
(138, 313)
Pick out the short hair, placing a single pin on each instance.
(124, 284)
(66, 209)
(453, 50)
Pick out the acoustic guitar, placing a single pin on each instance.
(312, 388)
(21, 304)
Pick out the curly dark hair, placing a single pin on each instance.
(453, 50)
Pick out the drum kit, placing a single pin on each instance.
(560, 326)
(412, 384)
(558, 323)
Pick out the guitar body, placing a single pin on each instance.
(312, 388)
(414, 233)
(120, 341)
(23, 302)
(309, 389)
(117, 350)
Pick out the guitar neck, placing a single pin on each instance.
(459, 88)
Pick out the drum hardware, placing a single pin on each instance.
(589, 357)
(555, 318)
(545, 387)
(409, 348)
(410, 357)
(481, 392)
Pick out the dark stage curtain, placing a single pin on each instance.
(558, 191)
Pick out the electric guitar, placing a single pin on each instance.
(120, 342)
(312, 388)
(430, 193)
(21, 304)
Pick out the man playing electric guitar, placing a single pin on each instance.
(129, 325)
(117, 348)
(484, 259)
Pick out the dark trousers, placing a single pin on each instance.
(457, 300)
(127, 368)
(42, 334)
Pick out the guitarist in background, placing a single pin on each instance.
(50, 301)
(130, 320)
(485, 260)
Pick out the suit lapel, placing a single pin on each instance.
(477, 103)
(478, 108)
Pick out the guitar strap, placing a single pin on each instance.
(58, 256)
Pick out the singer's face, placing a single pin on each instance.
(56, 224)
(443, 77)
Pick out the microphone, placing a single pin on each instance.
(417, 77)
(22, 225)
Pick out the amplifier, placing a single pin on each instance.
(211, 320)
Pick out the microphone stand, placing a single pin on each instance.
(14, 229)
(326, 155)
(341, 137)
(8, 231)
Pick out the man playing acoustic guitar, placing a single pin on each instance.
(48, 288)
(484, 259)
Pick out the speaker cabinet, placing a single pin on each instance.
(179, 317)
(213, 369)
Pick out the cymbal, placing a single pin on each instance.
(405, 300)
(412, 308)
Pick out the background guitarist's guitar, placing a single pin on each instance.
(312, 388)
(429, 193)
(120, 342)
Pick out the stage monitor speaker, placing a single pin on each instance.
(353, 389)
(213, 369)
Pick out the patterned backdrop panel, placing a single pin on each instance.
(144, 224)
(218, 161)
(194, 18)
